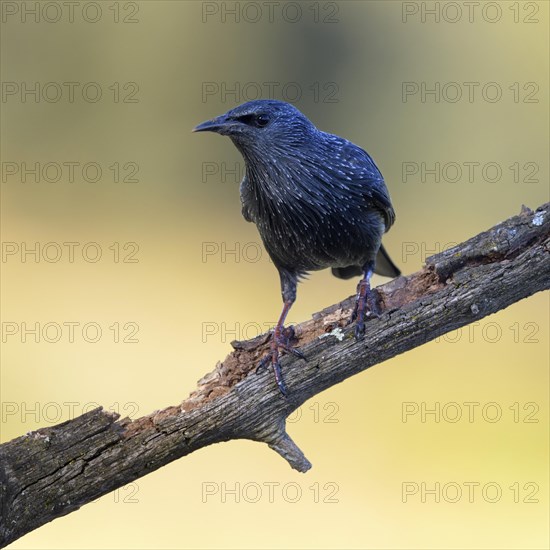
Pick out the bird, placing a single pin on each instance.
(318, 201)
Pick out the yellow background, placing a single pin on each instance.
(362, 450)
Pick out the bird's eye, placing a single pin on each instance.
(246, 119)
(262, 120)
(254, 120)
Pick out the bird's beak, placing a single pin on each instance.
(218, 124)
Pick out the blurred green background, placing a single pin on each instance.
(181, 274)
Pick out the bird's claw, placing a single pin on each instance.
(280, 343)
(368, 309)
(359, 330)
(295, 352)
(263, 364)
(284, 343)
(273, 360)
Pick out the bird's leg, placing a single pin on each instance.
(278, 340)
(282, 338)
(365, 303)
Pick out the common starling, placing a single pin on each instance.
(317, 200)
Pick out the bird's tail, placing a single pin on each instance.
(383, 266)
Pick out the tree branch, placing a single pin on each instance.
(53, 471)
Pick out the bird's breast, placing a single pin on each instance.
(308, 233)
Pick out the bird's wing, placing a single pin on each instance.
(377, 196)
(365, 174)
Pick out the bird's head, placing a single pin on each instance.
(261, 126)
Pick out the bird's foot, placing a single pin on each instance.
(366, 306)
(281, 340)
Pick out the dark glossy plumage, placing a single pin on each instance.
(318, 200)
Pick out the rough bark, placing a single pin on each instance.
(53, 471)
